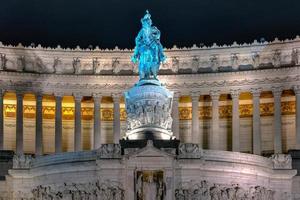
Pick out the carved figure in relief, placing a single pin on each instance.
(234, 61)
(206, 191)
(22, 161)
(281, 161)
(139, 186)
(148, 50)
(116, 65)
(195, 64)
(3, 61)
(214, 62)
(295, 57)
(106, 190)
(150, 185)
(158, 111)
(150, 189)
(63, 67)
(179, 194)
(175, 64)
(215, 192)
(277, 58)
(96, 66)
(255, 59)
(161, 191)
(77, 65)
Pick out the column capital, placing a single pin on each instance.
(176, 96)
(20, 94)
(97, 96)
(2, 92)
(296, 89)
(58, 94)
(277, 91)
(195, 95)
(214, 94)
(255, 92)
(38, 94)
(235, 93)
(77, 96)
(39, 97)
(116, 97)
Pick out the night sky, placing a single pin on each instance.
(108, 23)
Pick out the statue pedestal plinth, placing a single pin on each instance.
(148, 107)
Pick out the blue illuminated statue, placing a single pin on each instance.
(148, 102)
(148, 50)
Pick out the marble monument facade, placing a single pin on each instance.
(227, 100)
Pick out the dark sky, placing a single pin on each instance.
(108, 23)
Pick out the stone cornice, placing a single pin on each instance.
(184, 60)
(184, 83)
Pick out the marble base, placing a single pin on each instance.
(183, 173)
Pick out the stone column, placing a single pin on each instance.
(1, 121)
(39, 125)
(19, 122)
(297, 94)
(77, 121)
(97, 120)
(235, 94)
(277, 91)
(256, 121)
(58, 122)
(214, 133)
(196, 137)
(117, 122)
(175, 115)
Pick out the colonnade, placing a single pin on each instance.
(197, 134)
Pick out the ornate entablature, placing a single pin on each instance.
(186, 60)
(236, 66)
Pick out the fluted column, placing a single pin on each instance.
(256, 121)
(214, 134)
(19, 122)
(77, 129)
(277, 91)
(175, 115)
(117, 122)
(196, 137)
(39, 125)
(1, 121)
(58, 122)
(297, 94)
(235, 94)
(97, 120)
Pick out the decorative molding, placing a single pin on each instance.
(191, 60)
(277, 91)
(22, 161)
(195, 95)
(215, 95)
(281, 161)
(235, 93)
(109, 151)
(185, 113)
(106, 189)
(97, 96)
(256, 92)
(189, 150)
(206, 190)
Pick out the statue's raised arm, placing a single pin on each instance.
(148, 51)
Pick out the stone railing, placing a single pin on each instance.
(236, 157)
(179, 60)
(193, 151)
(61, 158)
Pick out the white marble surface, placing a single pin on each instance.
(216, 167)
